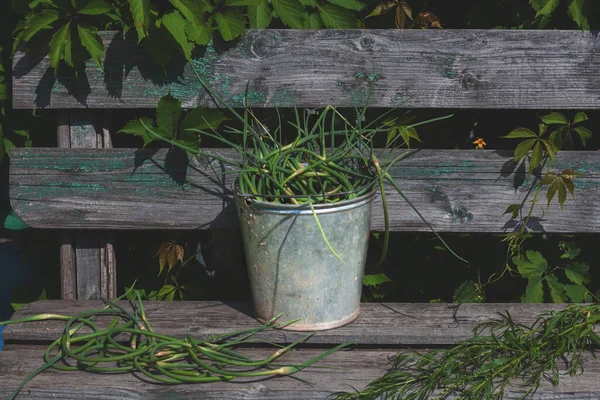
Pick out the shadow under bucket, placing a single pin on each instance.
(291, 269)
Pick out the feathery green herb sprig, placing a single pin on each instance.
(501, 354)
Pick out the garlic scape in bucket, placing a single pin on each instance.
(304, 200)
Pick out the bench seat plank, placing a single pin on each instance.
(353, 369)
(398, 324)
(348, 370)
(511, 69)
(457, 191)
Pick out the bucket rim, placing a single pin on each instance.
(266, 206)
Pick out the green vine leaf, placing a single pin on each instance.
(523, 149)
(94, 7)
(534, 293)
(532, 265)
(349, 4)
(314, 21)
(176, 26)
(513, 209)
(534, 143)
(554, 118)
(60, 46)
(260, 15)
(140, 11)
(198, 33)
(310, 3)
(544, 7)
(401, 126)
(559, 183)
(578, 273)
(193, 11)
(584, 134)
(290, 12)
(570, 249)
(88, 35)
(237, 3)
(467, 292)
(576, 293)
(231, 24)
(136, 127)
(203, 119)
(578, 10)
(167, 292)
(520, 133)
(536, 156)
(580, 117)
(37, 22)
(168, 114)
(375, 280)
(557, 290)
(335, 17)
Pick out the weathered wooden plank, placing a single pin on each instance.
(342, 371)
(408, 68)
(399, 324)
(457, 191)
(352, 369)
(88, 270)
(68, 267)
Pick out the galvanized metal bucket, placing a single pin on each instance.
(291, 269)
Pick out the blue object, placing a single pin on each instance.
(12, 274)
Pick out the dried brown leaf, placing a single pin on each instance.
(428, 20)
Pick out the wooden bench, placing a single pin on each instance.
(87, 192)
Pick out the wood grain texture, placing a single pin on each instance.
(456, 190)
(87, 259)
(408, 68)
(398, 324)
(68, 274)
(88, 270)
(342, 371)
(353, 369)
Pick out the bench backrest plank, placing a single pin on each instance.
(508, 69)
(457, 191)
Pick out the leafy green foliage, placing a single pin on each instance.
(74, 27)
(542, 279)
(375, 280)
(166, 28)
(372, 287)
(540, 148)
(169, 126)
(535, 142)
(401, 127)
(578, 11)
(559, 183)
(562, 135)
(468, 292)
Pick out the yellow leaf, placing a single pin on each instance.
(168, 254)
(406, 8)
(180, 252)
(382, 9)
(400, 18)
